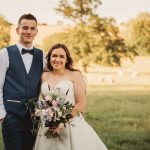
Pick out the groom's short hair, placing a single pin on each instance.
(27, 16)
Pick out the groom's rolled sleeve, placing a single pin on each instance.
(4, 63)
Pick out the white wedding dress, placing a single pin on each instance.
(80, 136)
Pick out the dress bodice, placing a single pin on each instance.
(66, 86)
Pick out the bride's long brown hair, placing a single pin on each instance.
(69, 63)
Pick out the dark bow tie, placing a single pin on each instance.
(24, 51)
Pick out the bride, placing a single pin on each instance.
(81, 135)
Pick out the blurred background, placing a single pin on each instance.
(110, 43)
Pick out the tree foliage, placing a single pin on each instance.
(78, 10)
(109, 47)
(4, 32)
(139, 31)
(92, 39)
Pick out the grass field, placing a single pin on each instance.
(120, 115)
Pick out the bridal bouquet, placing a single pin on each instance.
(53, 111)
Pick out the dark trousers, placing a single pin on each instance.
(17, 133)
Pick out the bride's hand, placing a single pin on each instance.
(61, 126)
(74, 112)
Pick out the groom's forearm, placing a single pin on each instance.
(4, 64)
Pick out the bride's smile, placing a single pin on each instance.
(58, 59)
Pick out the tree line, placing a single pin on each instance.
(95, 39)
(4, 32)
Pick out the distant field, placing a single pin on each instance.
(120, 115)
(137, 73)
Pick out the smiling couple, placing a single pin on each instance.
(22, 78)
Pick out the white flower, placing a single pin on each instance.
(49, 111)
(43, 112)
(59, 113)
(64, 108)
(38, 112)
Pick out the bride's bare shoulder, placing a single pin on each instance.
(45, 75)
(77, 75)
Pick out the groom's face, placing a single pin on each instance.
(27, 30)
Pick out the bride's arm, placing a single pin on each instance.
(80, 93)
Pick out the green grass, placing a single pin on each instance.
(120, 115)
(1, 142)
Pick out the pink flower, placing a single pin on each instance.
(47, 98)
(49, 111)
(54, 103)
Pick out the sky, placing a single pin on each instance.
(121, 10)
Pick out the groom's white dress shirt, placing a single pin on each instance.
(4, 64)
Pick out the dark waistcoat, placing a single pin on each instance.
(20, 86)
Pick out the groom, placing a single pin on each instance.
(21, 66)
